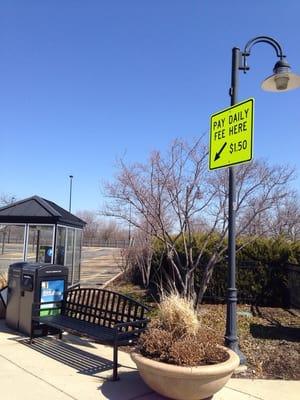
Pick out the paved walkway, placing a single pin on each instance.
(99, 265)
(79, 369)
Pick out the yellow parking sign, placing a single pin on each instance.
(231, 135)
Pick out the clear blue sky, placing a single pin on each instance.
(85, 82)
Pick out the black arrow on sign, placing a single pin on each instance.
(218, 154)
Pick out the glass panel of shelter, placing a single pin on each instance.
(61, 235)
(11, 245)
(68, 251)
(39, 243)
(34, 243)
(77, 255)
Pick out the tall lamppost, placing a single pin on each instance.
(70, 198)
(129, 226)
(9, 228)
(281, 81)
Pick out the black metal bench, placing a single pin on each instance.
(103, 315)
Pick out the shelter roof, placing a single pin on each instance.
(37, 210)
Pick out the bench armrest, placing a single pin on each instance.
(122, 332)
(132, 323)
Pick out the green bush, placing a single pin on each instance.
(261, 274)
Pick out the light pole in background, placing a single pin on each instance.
(282, 80)
(13, 199)
(70, 198)
(129, 226)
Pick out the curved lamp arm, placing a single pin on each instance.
(282, 79)
(264, 39)
(259, 39)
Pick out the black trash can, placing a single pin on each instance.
(30, 283)
(14, 295)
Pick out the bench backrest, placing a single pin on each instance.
(101, 307)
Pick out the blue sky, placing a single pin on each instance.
(85, 82)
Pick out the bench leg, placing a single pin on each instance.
(60, 335)
(31, 335)
(115, 362)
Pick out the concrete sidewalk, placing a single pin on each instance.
(79, 369)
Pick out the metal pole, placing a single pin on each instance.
(9, 228)
(70, 199)
(129, 225)
(231, 338)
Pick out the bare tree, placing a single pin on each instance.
(109, 230)
(99, 229)
(92, 224)
(164, 196)
(168, 194)
(139, 256)
(6, 199)
(260, 189)
(285, 219)
(5, 230)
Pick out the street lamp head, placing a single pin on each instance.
(282, 80)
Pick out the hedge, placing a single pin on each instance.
(261, 272)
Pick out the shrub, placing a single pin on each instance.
(156, 342)
(261, 276)
(176, 337)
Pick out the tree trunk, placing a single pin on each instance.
(207, 274)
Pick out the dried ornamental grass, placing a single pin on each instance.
(176, 337)
(176, 314)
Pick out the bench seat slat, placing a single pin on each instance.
(87, 328)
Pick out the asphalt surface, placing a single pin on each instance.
(98, 264)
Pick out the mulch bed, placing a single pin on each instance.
(268, 337)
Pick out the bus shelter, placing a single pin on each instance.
(38, 230)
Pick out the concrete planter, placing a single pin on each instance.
(185, 383)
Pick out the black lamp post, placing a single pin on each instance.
(281, 81)
(70, 198)
(129, 226)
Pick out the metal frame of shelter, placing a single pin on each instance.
(64, 242)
